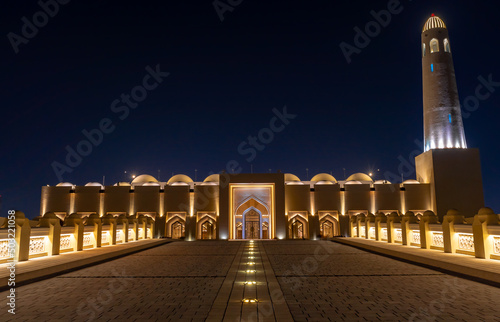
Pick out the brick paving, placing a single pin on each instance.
(305, 280)
(324, 281)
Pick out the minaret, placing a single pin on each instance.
(448, 169)
(443, 127)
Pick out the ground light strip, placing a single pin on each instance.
(249, 271)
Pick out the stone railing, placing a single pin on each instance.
(49, 238)
(454, 235)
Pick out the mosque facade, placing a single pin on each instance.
(281, 205)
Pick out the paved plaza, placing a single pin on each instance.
(250, 281)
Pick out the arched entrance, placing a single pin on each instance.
(297, 230)
(176, 226)
(252, 220)
(177, 230)
(326, 229)
(298, 226)
(252, 224)
(206, 226)
(328, 225)
(207, 230)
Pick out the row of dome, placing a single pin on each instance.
(322, 178)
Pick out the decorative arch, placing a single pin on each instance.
(328, 224)
(252, 202)
(298, 226)
(206, 227)
(446, 44)
(176, 226)
(434, 45)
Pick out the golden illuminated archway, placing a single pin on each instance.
(252, 213)
(298, 225)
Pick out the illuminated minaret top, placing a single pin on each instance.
(443, 127)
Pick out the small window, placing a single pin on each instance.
(423, 50)
(449, 118)
(447, 46)
(432, 68)
(434, 45)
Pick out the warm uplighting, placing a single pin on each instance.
(249, 300)
(250, 283)
(251, 263)
(251, 271)
(251, 257)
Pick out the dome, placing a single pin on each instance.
(212, 178)
(354, 182)
(144, 178)
(64, 184)
(411, 181)
(434, 22)
(360, 177)
(122, 184)
(291, 177)
(324, 177)
(180, 178)
(93, 184)
(151, 184)
(382, 182)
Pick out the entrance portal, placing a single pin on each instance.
(207, 230)
(252, 225)
(177, 230)
(251, 211)
(297, 230)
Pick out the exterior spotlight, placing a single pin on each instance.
(370, 174)
(250, 301)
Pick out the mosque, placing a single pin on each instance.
(282, 206)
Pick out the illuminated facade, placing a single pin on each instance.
(281, 206)
(241, 206)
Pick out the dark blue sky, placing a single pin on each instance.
(226, 77)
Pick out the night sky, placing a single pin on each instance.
(226, 78)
